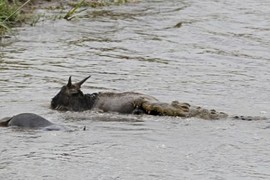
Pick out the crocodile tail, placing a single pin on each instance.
(249, 118)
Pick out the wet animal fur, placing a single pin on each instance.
(71, 98)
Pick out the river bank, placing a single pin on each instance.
(16, 12)
(7, 15)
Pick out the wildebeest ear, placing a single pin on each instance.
(82, 81)
(69, 82)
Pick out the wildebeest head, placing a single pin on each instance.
(70, 97)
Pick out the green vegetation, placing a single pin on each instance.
(70, 13)
(11, 13)
(98, 3)
(6, 17)
(91, 3)
(8, 14)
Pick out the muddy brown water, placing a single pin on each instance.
(210, 53)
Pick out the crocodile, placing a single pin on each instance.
(71, 98)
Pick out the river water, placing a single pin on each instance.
(211, 53)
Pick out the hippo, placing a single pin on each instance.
(71, 98)
(29, 120)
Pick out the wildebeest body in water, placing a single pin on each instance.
(71, 98)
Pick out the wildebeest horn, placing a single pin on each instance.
(82, 81)
(69, 82)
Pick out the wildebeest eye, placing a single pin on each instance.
(75, 94)
(73, 91)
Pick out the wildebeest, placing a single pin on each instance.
(29, 120)
(71, 98)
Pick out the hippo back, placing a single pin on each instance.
(29, 120)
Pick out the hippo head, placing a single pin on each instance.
(4, 122)
(70, 97)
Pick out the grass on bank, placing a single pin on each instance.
(6, 10)
(9, 13)
(91, 3)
